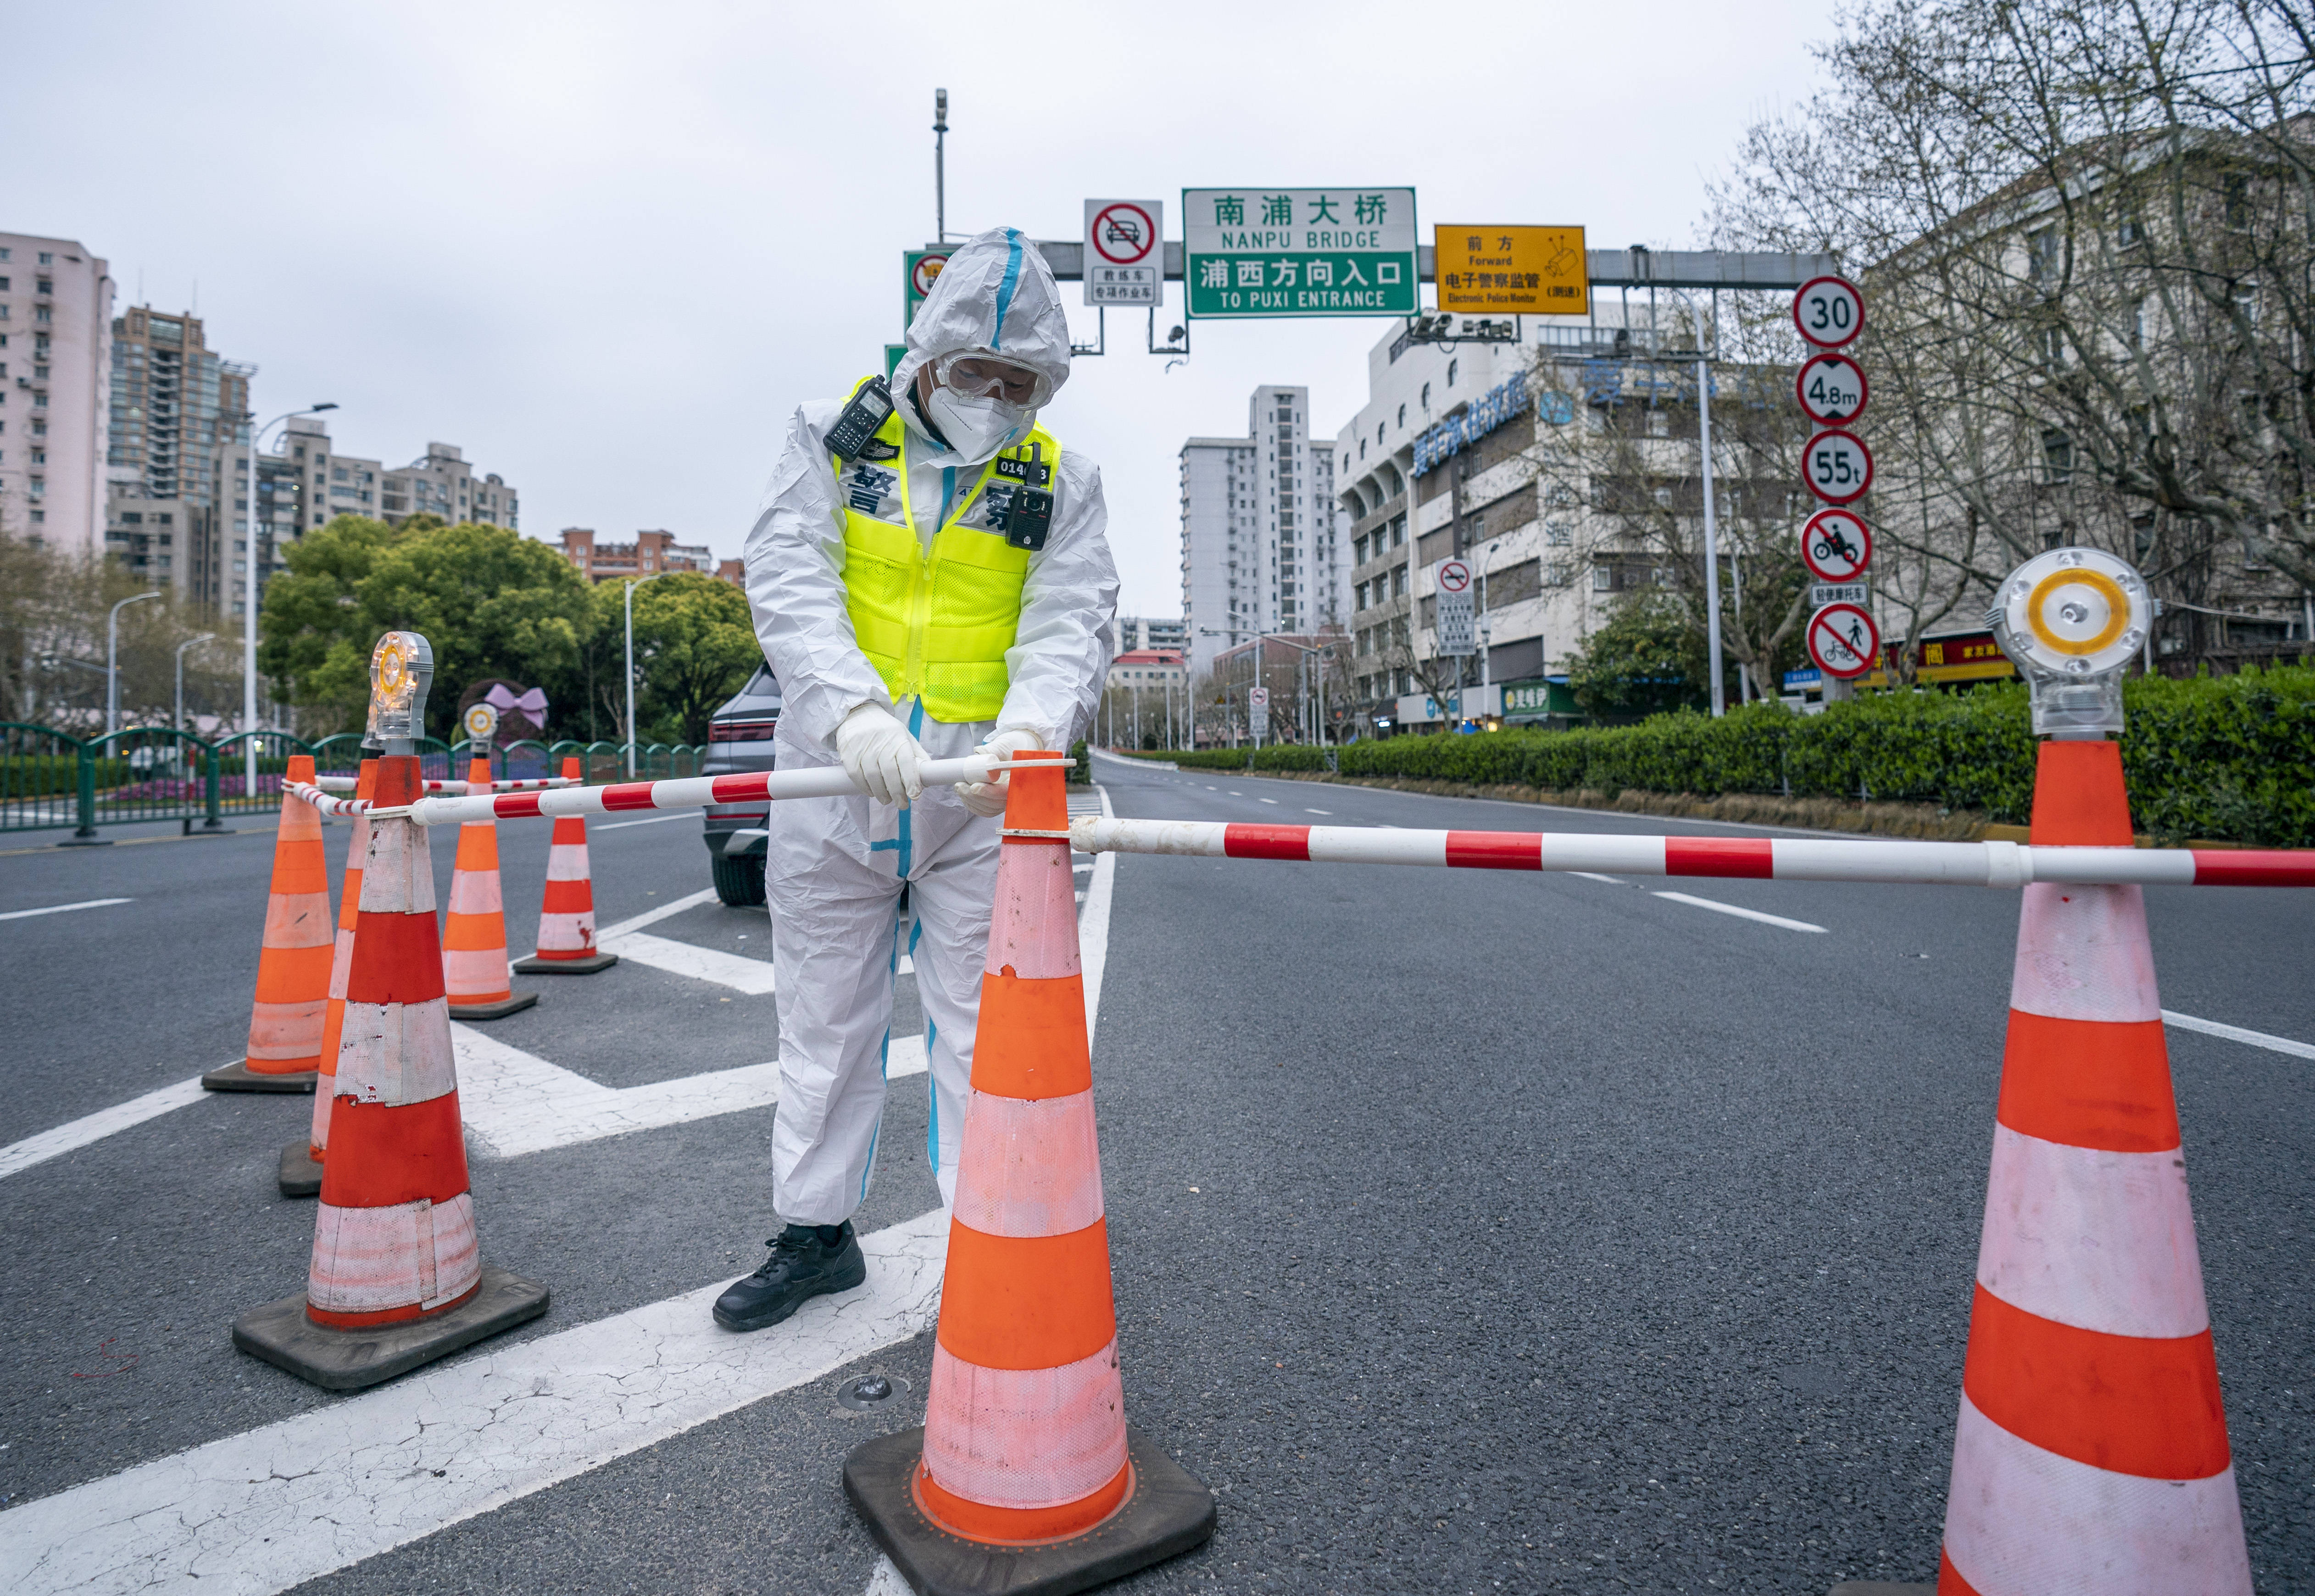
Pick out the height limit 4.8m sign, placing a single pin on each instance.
(1258, 252)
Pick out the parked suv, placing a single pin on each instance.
(738, 741)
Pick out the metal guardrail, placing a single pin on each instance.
(50, 780)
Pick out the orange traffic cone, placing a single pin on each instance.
(473, 933)
(566, 912)
(2092, 1453)
(397, 1277)
(301, 1161)
(1025, 1476)
(293, 964)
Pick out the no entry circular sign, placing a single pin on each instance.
(1844, 641)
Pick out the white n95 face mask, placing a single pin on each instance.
(978, 429)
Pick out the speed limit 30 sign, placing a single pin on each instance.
(1837, 465)
(1829, 311)
(1844, 641)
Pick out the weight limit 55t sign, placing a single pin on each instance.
(1255, 252)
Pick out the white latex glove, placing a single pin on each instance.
(987, 798)
(879, 755)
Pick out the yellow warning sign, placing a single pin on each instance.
(1508, 270)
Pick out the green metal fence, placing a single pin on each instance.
(50, 779)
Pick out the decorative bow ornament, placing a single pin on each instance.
(532, 703)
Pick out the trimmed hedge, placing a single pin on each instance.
(2229, 757)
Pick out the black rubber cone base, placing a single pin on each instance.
(300, 1176)
(1167, 1513)
(592, 964)
(238, 1077)
(493, 1011)
(349, 1360)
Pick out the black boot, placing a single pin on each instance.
(806, 1261)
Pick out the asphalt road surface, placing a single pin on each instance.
(1471, 1231)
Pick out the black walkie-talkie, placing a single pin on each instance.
(856, 425)
(1030, 516)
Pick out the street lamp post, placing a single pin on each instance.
(632, 586)
(179, 723)
(112, 660)
(249, 593)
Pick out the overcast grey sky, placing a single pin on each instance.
(606, 249)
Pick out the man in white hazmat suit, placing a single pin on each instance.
(930, 574)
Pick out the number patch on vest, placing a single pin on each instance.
(1025, 471)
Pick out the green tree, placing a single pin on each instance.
(695, 647)
(1644, 660)
(490, 601)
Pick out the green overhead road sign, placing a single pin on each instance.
(1255, 252)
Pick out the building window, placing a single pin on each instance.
(1450, 372)
(1402, 416)
(2057, 457)
(1604, 579)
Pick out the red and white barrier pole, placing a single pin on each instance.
(696, 792)
(345, 783)
(1758, 858)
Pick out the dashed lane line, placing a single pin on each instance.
(648, 820)
(1613, 881)
(27, 913)
(95, 1127)
(271, 1508)
(2258, 1038)
(653, 916)
(1730, 908)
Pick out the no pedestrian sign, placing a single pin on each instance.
(1255, 252)
(1512, 270)
(1124, 251)
(1844, 641)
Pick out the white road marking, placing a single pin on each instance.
(1268, 801)
(274, 1507)
(653, 917)
(1613, 881)
(95, 1127)
(515, 1103)
(1323, 811)
(887, 1580)
(751, 976)
(26, 914)
(1750, 914)
(689, 815)
(2258, 1038)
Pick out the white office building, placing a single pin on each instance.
(1409, 509)
(1261, 545)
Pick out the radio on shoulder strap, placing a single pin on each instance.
(1030, 516)
(857, 424)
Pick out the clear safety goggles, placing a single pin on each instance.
(978, 375)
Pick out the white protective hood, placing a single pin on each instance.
(994, 294)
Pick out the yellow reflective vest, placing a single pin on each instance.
(936, 621)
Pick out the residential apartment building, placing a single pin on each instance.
(56, 369)
(178, 415)
(651, 553)
(441, 482)
(1261, 529)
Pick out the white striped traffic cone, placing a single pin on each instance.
(1025, 1476)
(300, 1174)
(566, 910)
(2091, 1453)
(396, 1277)
(475, 965)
